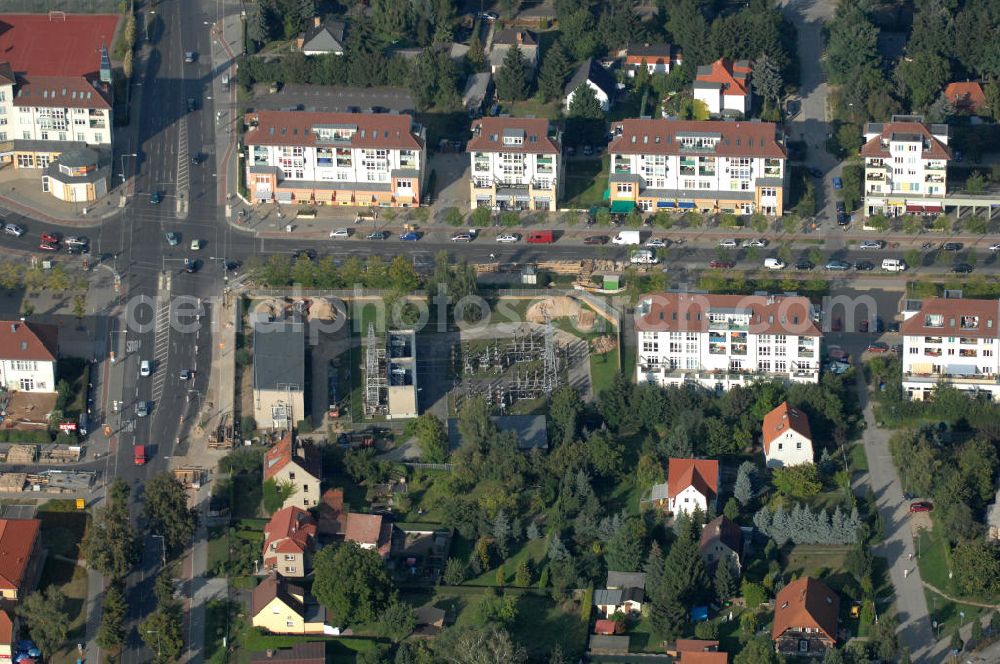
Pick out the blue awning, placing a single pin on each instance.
(665, 204)
(961, 369)
(686, 205)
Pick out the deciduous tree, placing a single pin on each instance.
(167, 511)
(352, 582)
(45, 614)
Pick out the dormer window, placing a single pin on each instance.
(513, 137)
(934, 320)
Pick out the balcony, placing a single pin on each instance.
(739, 349)
(806, 352)
(935, 166)
(877, 176)
(934, 179)
(716, 349)
(482, 183)
(968, 352)
(968, 379)
(716, 338)
(932, 352)
(932, 340)
(728, 326)
(706, 172)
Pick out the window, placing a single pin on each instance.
(781, 446)
(404, 184)
(27, 384)
(624, 188)
(764, 351)
(289, 570)
(305, 488)
(24, 365)
(798, 446)
(780, 366)
(3, 136)
(290, 557)
(291, 476)
(98, 138)
(650, 347)
(768, 192)
(780, 351)
(289, 623)
(987, 353)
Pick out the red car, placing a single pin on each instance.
(50, 238)
(921, 506)
(878, 347)
(48, 246)
(727, 265)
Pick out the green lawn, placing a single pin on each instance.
(948, 614)
(533, 107)
(532, 551)
(857, 458)
(934, 561)
(220, 619)
(585, 181)
(811, 560)
(541, 624)
(339, 650)
(603, 369)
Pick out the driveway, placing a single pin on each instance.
(915, 631)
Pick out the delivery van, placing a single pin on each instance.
(541, 237)
(893, 265)
(627, 238)
(643, 257)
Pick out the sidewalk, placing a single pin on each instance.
(21, 192)
(227, 45)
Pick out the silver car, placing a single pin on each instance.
(871, 244)
(729, 244)
(141, 409)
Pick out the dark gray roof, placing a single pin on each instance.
(651, 50)
(530, 430)
(279, 355)
(626, 579)
(605, 597)
(79, 157)
(328, 36)
(313, 652)
(606, 643)
(592, 70)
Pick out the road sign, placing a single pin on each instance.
(67, 426)
(80, 503)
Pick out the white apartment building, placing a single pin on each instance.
(906, 166)
(736, 167)
(953, 341)
(719, 341)
(335, 158)
(516, 164)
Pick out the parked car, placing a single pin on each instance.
(729, 244)
(595, 239)
(838, 184)
(922, 506)
(725, 265)
(77, 241)
(754, 243)
(804, 265)
(878, 347)
(952, 246)
(410, 236)
(51, 238)
(155, 198)
(815, 172)
(962, 268)
(378, 235)
(841, 207)
(587, 150)
(192, 105)
(489, 16)
(190, 266)
(656, 243)
(843, 218)
(995, 247)
(508, 238)
(461, 237)
(340, 233)
(195, 245)
(864, 266)
(13, 229)
(48, 246)
(838, 265)
(173, 239)
(774, 263)
(871, 244)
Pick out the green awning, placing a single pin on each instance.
(622, 207)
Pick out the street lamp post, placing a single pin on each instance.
(163, 550)
(122, 156)
(159, 653)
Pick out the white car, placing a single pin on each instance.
(13, 229)
(656, 243)
(754, 243)
(141, 409)
(195, 245)
(340, 233)
(508, 238)
(774, 264)
(995, 247)
(145, 368)
(871, 244)
(729, 244)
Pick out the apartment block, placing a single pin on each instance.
(737, 167)
(906, 166)
(720, 341)
(335, 158)
(516, 164)
(952, 341)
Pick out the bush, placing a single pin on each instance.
(305, 426)
(480, 217)
(453, 216)
(247, 425)
(243, 357)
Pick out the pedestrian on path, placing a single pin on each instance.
(906, 573)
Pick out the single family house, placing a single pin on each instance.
(786, 437)
(721, 542)
(28, 353)
(656, 58)
(805, 618)
(19, 557)
(599, 79)
(724, 87)
(692, 484)
(369, 531)
(504, 40)
(967, 97)
(618, 600)
(322, 38)
(289, 540)
(297, 466)
(282, 608)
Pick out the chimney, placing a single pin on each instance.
(13, 327)
(317, 21)
(520, 37)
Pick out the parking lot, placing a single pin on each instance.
(332, 99)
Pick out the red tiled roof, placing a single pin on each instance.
(984, 313)
(331, 512)
(806, 602)
(61, 91)
(606, 627)
(287, 451)
(780, 420)
(67, 45)
(272, 587)
(290, 530)
(966, 96)
(369, 530)
(685, 312)
(28, 341)
(704, 658)
(702, 474)
(374, 130)
(6, 628)
(17, 543)
(660, 136)
(935, 150)
(723, 71)
(488, 136)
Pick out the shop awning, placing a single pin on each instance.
(686, 205)
(922, 367)
(914, 208)
(284, 196)
(933, 208)
(622, 207)
(961, 369)
(665, 204)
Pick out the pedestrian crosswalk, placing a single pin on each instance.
(161, 342)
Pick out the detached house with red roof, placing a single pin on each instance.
(806, 614)
(19, 557)
(292, 463)
(786, 437)
(692, 484)
(28, 353)
(724, 87)
(721, 542)
(369, 531)
(516, 164)
(656, 58)
(289, 540)
(358, 159)
(56, 99)
(906, 166)
(720, 341)
(967, 97)
(737, 167)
